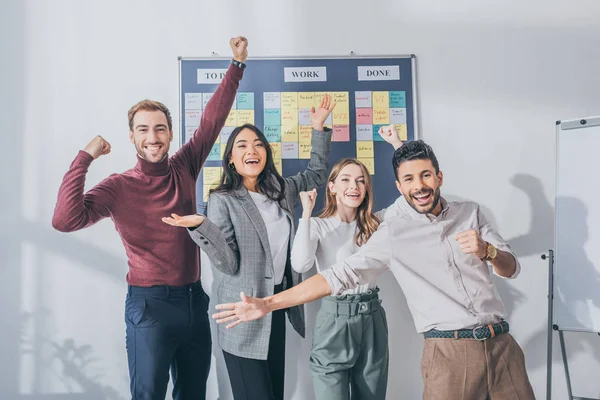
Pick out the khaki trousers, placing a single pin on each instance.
(469, 369)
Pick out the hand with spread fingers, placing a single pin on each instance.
(249, 309)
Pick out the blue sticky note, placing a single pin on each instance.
(398, 99)
(245, 101)
(215, 153)
(272, 116)
(273, 133)
(376, 136)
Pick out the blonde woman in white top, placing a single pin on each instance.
(349, 356)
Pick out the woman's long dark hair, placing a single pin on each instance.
(270, 183)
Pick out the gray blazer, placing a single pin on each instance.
(234, 237)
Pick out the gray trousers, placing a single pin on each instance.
(349, 357)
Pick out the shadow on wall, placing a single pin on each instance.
(72, 364)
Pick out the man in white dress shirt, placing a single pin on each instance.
(443, 255)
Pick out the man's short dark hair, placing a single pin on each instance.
(415, 150)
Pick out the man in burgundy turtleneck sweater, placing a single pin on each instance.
(166, 307)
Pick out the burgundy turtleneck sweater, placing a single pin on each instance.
(136, 200)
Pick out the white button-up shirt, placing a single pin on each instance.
(445, 289)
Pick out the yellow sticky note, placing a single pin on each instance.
(218, 139)
(402, 131)
(231, 118)
(289, 133)
(317, 97)
(305, 134)
(306, 100)
(211, 175)
(369, 163)
(223, 145)
(289, 100)
(289, 116)
(206, 189)
(381, 99)
(341, 116)
(245, 117)
(381, 115)
(276, 149)
(278, 165)
(304, 150)
(364, 149)
(341, 100)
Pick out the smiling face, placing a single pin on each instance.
(349, 186)
(151, 135)
(420, 185)
(248, 154)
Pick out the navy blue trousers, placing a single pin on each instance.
(168, 329)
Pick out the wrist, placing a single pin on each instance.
(318, 127)
(270, 303)
(306, 214)
(238, 62)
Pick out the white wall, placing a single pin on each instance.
(493, 78)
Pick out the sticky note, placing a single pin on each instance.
(304, 116)
(402, 131)
(189, 132)
(289, 116)
(341, 117)
(305, 134)
(276, 149)
(278, 165)
(273, 133)
(226, 133)
(369, 163)
(341, 133)
(381, 99)
(364, 116)
(271, 100)
(206, 191)
(289, 133)
(245, 117)
(272, 116)
(329, 120)
(192, 118)
(381, 116)
(317, 97)
(218, 138)
(211, 175)
(223, 146)
(364, 149)
(289, 100)
(397, 115)
(341, 100)
(193, 101)
(397, 99)
(215, 153)
(289, 150)
(363, 100)
(245, 101)
(376, 136)
(306, 100)
(304, 151)
(205, 98)
(231, 118)
(364, 132)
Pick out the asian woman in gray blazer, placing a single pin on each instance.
(248, 234)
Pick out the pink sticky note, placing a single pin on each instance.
(341, 133)
(364, 116)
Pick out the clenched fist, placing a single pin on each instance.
(97, 147)
(390, 135)
(308, 200)
(239, 46)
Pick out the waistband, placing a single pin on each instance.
(352, 304)
(479, 333)
(166, 290)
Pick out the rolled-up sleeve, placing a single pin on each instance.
(489, 234)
